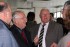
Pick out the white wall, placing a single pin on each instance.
(26, 10)
(37, 12)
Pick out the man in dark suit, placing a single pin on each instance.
(19, 24)
(51, 34)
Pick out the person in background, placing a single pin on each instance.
(6, 37)
(65, 41)
(48, 32)
(61, 21)
(30, 20)
(52, 16)
(19, 31)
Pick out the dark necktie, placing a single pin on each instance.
(41, 36)
(24, 37)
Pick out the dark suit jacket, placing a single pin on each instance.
(19, 38)
(54, 33)
(30, 24)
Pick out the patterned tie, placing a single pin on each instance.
(41, 36)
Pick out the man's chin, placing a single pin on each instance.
(24, 26)
(45, 22)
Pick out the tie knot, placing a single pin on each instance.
(43, 25)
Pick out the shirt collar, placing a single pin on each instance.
(45, 23)
(20, 30)
(8, 26)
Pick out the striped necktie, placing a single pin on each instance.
(41, 36)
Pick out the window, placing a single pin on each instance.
(57, 15)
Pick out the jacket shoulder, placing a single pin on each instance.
(1, 25)
(55, 23)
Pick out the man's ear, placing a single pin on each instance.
(2, 15)
(62, 11)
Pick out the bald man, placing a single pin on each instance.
(47, 33)
(6, 37)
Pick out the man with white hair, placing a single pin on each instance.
(21, 34)
(48, 32)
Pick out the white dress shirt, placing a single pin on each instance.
(44, 35)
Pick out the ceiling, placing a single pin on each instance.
(52, 3)
(38, 0)
(37, 3)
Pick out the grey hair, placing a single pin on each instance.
(15, 14)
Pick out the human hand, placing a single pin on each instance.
(36, 40)
(53, 44)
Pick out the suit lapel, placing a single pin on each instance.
(36, 28)
(34, 31)
(50, 28)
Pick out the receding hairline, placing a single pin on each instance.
(44, 10)
(4, 3)
(15, 13)
(6, 6)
